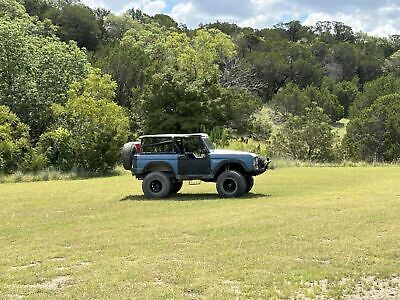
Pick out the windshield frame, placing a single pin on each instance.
(208, 143)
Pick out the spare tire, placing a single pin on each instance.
(128, 151)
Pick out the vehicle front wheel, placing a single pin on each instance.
(231, 184)
(249, 183)
(156, 185)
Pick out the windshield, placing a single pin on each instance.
(208, 143)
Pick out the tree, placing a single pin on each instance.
(78, 23)
(294, 30)
(382, 86)
(346, 93)
(285, 62)
(11, 9)
(91, 123)
(116, 26)
(291, 100)
(348, 57)
(14, 140)
(374, 135)
(165, 21)
(132, 61)
(35, 71)
(327, 101)
(36, 7)
(307, 137)
(392, 64)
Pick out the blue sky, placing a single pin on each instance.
(377, 17)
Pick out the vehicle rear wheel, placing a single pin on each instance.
(176, 187)
(249, 183)
(156, 185)
(231, 184)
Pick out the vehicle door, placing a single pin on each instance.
(194, 158)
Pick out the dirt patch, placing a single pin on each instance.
(57, 258)
(54, 284)
(23, 267)
(366, 288)
(375, 288)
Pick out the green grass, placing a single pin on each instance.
(303, 231)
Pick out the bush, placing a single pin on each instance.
(91, 128)
(14, 141)
(220, 136)
(374, 135)
(308, 137)
(56, 148)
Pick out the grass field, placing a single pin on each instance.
(303, 232)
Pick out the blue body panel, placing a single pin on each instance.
(217, 159)
(145, 159)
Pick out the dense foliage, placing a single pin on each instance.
(284, 86)
(14, 141)
(375, 133)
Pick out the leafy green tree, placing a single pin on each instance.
(382, 86)
(56, 148)
(14, 140)
(238, 107)
(392, 64)
(348, 58)
(11, 9)
(374, 135)
(285, 62)
(35, 71)
(294, 30)
(291, 100)
(78, 23)
(327, 101)
(346, 92)
(261, 126)
(165, 21)
(116, 26)
(91, 123)
(184, 93)
(36, 7)
(307, 137)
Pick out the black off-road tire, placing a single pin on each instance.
(249, 183)
(156, 185)
(176, 187)
(231, 184)
(128, 151)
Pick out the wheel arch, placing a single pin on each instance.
(232, 164)
(158, 166)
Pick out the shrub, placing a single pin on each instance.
(307, 137)
(91, 128)
(56, 148)
(374, 135)
(14, 140)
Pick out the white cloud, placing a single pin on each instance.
(95, 3)
(147, 6)
(375, 22)
(188, 13)
(154, 7)
(377, 17)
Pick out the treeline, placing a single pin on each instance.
(76, 83)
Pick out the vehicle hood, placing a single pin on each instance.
(230, 153)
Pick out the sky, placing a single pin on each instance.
(376, 17)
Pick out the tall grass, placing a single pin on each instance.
(51, 174)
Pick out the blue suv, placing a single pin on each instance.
(164, 161)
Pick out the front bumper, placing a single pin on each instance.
(263, 164)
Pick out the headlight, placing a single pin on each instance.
(255, 163)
